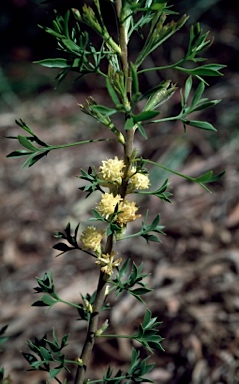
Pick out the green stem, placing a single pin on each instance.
(68, 303)
(93, 326)
(163, 67)
(94, 319)
(100, 292)
(165, 119)
(51, 147)
(116, 336)
(167, 169)
(175, 173)
(108, 379)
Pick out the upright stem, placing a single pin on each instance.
(128, 148)
(93, 324)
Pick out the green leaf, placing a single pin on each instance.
(142, 131)
(62, 247)
(146, 115)
(52, 32)
(124, 269)
(209, 178)
(34, 158)
(45, 354)
(48, 300)
(135, 82)
(54, 63)
(19, 153)
(204, 70)
(70, 45)
(30, 358)
(23, 125)
(200, 124)
(129, 123)
(187, 88)
(198, 94)
(112, 93)
(105, 111)
(205, 105)
(26, 143)
(54, 371)
(140, 291)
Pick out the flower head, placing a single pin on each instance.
(107, 204)
(111, 170)
(91, 238)
(127, 210)
(137, 180)
(107, 262)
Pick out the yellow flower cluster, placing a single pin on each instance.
(107, 262)
(137, 181)
(127, 210)
(111, 173)
(107, 204)
(91, 238)
(111, 170)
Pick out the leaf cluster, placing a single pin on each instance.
(190, 104)
(79, 54)
(94, 182)
(71, 239)
(161, 192)
(47, 355)
(129, 276)
(147, 229)
(35, 153)
(46, 285)
(148, 334)
(136, 372)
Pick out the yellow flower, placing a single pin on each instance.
(107, 204)
(111, 170)
(91, 238)
(139, 181)
(127, 210)
(107, 262)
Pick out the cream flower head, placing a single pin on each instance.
(127, 210)
(107, 204)
(111, 170)
(91, 238)
(107, 262)
(137, 180)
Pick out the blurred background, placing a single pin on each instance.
(194, 270)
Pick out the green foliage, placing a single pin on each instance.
(136, 372)
(72, 240)
(126, 279)
(47, 355)
(92, 178)
(161, 192)
(36, 153)
(148, 334)
(146, 230)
